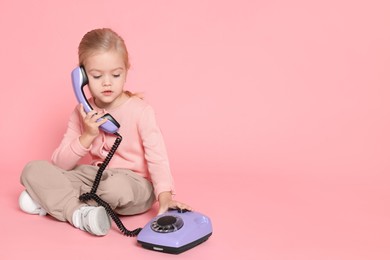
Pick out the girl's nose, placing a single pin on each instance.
(106, 81)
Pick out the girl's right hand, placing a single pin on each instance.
(91, 125)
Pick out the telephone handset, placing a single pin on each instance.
(79, 80)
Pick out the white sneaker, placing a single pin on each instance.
(29, 206)
(94, 220)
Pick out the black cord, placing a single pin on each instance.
(92, 194)
(103, 166)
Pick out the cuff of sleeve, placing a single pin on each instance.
(160, 189)
(78, 148)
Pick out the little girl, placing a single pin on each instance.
(138, 172)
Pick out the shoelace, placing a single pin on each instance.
(83, 214)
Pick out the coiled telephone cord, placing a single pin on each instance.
(92, 194)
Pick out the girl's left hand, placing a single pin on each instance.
(166, 202)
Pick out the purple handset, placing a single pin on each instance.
(79, 80)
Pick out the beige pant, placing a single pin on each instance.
(57, 190)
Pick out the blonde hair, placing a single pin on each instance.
(104, 39)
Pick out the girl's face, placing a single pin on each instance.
(106, 73)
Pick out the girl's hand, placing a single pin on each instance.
(166, 202)
(91, 125)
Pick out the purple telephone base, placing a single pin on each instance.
(175, 232)
(79, 80)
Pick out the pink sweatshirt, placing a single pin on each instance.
(142, 149)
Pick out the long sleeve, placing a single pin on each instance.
(155, 152)
(70, 150)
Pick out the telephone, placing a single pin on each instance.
(175, 231)
(172, 232)
(79, 80)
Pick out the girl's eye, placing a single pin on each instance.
(117, 75)
(96, 77)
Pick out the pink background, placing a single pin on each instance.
(275, 114)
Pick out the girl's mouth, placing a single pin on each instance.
(107, 92)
